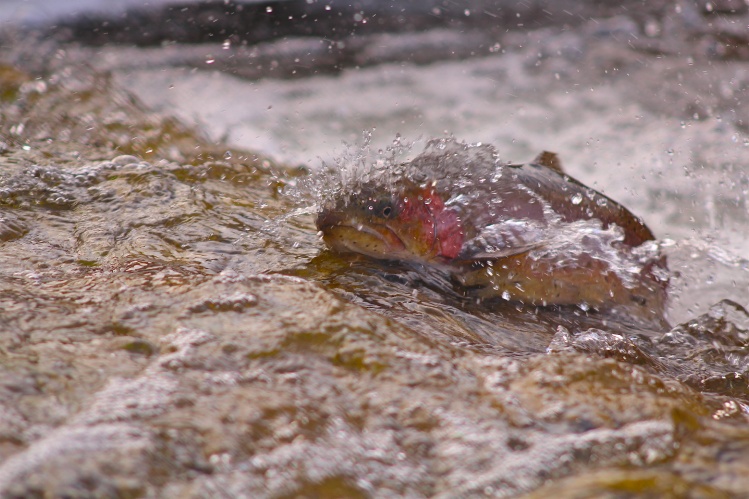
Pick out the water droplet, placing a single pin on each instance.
(577, 198)
(269, 9)
(226, 45)
(467, 12)
(506, 295)
(652, 28)
(210, 59)
(328, 7)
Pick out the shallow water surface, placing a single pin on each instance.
(172, 326)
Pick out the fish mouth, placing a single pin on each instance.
(351, 236)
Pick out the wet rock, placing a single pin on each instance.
(236, 302)
(610, 483)
(140, 347)
(108, 460)
(11, 227)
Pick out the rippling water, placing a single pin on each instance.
(171, 326)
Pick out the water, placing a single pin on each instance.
(680, 174)
(40, 12)
(171, 325)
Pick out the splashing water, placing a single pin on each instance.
(356, 165)
(524, 230)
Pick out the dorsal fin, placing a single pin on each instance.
(549, 160)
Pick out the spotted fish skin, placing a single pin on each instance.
(523, 232)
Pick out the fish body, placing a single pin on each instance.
(527, 233)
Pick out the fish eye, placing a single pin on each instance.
(383, 207)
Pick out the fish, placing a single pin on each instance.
(527, 233)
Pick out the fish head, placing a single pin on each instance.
(407, 222)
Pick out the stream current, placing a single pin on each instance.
(171, 325)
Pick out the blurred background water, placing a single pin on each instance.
(49, 11)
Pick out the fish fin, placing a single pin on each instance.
(549, 160)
